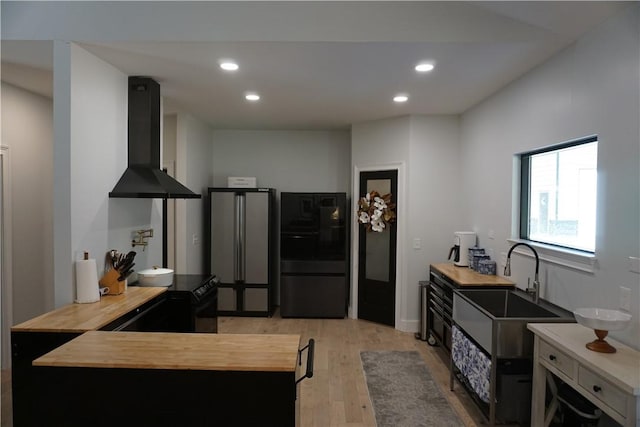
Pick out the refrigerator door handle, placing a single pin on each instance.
(240, 228)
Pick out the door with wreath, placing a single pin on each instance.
(377, 246)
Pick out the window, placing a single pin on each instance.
(558, 194)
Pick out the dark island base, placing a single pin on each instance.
(153, 397)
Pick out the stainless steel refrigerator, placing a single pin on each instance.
(241, 252)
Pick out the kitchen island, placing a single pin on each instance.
(72, 367)
(38, 336)
(168, 379)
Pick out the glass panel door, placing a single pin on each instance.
(377, 255)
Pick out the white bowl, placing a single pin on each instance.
(602, 319)
(155, 277)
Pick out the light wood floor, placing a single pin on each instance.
(337, 395)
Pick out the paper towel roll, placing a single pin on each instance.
(87, 281)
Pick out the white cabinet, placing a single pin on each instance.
(609, 381)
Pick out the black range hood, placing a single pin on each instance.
(143, 177)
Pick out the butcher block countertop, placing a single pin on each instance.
(88, 317)
(159, 350)
(464, 276)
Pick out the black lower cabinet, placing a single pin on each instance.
(80, 397)
(158, 314)
(25, 348)
(440, 310)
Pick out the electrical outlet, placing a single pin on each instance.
(194, 239)
(491, 234)
(417, 243)
(625, 298)
(634, 264)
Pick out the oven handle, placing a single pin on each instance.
(139, 315)
(310, 352)
(205, 303)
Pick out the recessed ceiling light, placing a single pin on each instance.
(400, 98)
(229, 66)
(424, 67)
(252, 97)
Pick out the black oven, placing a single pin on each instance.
(189, 305)
(193, 301)
(205, 313)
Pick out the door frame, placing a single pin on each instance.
(6, 281)
(400, 240)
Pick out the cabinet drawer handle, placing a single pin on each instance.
(597, 388)
(552, 357)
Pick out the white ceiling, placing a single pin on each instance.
(334, 79)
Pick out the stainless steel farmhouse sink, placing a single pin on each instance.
(497, 319)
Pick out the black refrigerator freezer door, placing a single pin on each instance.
(313, 226)
(298, 212)
(313, 249)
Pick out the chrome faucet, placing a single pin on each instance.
(534, 291)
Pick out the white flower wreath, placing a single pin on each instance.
(376, 211)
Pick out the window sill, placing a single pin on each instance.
(575, 260)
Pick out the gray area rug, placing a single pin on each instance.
(402, 391)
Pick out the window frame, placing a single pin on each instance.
(525, 193)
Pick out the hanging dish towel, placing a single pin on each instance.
(473, 364)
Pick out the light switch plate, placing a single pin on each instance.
(634, 264)
(417, 243)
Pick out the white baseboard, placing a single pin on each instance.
(403, 325)
(408, 325)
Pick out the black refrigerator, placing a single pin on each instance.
(314, 262)
(242, 251)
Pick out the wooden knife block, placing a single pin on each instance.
(110, 280)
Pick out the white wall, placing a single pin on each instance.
(193, 169)
(590, 88)
(27, 129)
(97, 155)
(434, 202)
(424, 150)
(169, 132)
(98, 138)
(319, 160)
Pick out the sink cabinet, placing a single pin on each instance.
(490, 339)
(443, 280)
